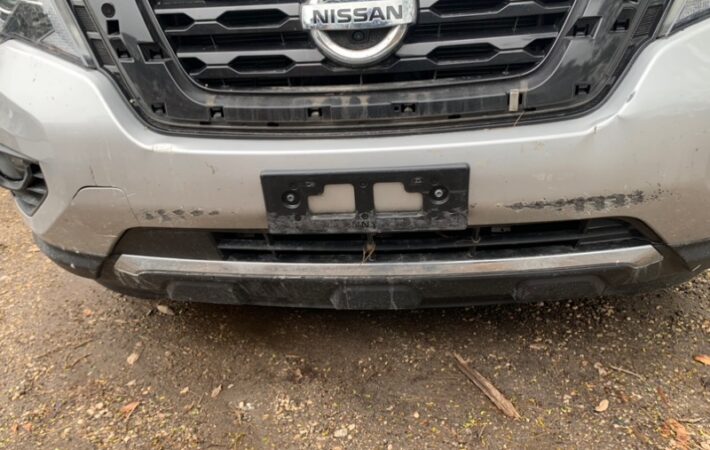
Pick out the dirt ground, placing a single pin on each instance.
(84, 368)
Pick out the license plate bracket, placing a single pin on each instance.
(444, 192)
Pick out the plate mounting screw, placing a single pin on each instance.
(439, 193)
(291, 198)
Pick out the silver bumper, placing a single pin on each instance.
(644, 153)
(135, 269)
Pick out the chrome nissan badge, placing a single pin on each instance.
(358, 33)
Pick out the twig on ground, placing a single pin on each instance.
(487, 387)
(76, 361)
(691, 420)
(480, 432)
(64, 347)
(628, 372)
(81, 344)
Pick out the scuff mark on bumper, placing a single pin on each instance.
(597, 203)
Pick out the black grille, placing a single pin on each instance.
(478, 242)
(465, 39)
(247, 67)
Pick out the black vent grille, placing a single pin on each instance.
(85, 19)
(649, 21)
(479, 242)
(30, 197)
(25, 180)
(210, 39)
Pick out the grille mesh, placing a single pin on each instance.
(254, 44)
(479, 242)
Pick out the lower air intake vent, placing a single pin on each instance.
(474, 243)
(25, 180)
(34, 193)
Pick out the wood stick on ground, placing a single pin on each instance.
(76, 361)
(487, 387)
(83, 343)
(626, 371)
(693, 420)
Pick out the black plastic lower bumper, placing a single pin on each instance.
(378, 294)
(430, 290)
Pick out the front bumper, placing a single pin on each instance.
(643, 154)
(395, 285)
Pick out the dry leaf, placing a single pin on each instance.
(602, 406)
(27, 427)
(216, 391)
(163, 309)
(682, 438)
(702, 359)
(184, 391)
(132, 358)
(128, 409)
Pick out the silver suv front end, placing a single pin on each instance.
(604, 197)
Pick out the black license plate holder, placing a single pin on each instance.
(286, 196)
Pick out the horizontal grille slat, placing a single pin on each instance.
(499, 42)
(220, 43)
(481, 28)
(245, 41)
(224, 58)
(470, 9)
(306, 55)
(344, 79)
(177, 4)
(492, 4)
(216, 29)
(214, 12)
(514, 60)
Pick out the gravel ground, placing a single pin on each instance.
(86, 368)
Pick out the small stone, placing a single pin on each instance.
(602, 406)
(132, 358)
(341, 433)
(166, 310)
(216, 391)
